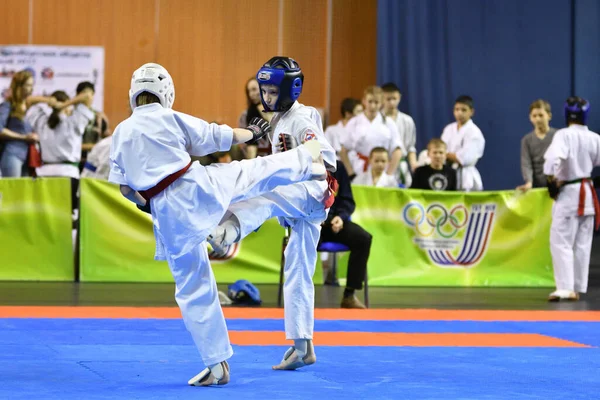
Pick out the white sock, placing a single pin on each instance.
(217, 370)
(301, 346)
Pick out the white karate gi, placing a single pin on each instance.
(574, 152)
(61, 146)
(366, 179)
(362, 136)
(97, 164)
(155, 142)
(301, 207)
(408, 135)
(333, 134)
(468, 144)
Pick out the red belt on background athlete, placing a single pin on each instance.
(332, 189)
(581, 207)
(162, 185)
(365, 159)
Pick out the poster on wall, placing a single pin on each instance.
(54, 68)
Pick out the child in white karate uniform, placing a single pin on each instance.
(302, 206)
(569, 161)
(150, 159)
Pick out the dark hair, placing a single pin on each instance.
(466, 100)
(85, 85)
(54, 118)
(390, 87)
(252, 110)
(348, 105)
(377, 150)
(248, 93)
(146, 98)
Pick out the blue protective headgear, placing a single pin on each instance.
(243, 292)
(285, 73)
(577, 110)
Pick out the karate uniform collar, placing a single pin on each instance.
(469, 123)
(294, 107)
(579, 127)
(147, 108)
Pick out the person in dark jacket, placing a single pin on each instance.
(339, 229)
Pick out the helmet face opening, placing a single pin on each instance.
(285, 73)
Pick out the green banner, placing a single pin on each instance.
(117, 244)
(36, 229)
(425, 238)
(419, 239)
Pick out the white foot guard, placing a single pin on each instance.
(563, 295)
(292, 361)
(222, 237)
(319, 172)
(207, 378)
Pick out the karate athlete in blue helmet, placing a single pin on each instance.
(150, 160)
(569, 161)
(302, 206)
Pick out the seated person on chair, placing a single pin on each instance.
(339, 229)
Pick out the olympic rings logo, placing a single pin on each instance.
(435, 219)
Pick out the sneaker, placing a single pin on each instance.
(563, 295)
(291, 360)
(352, 302)
(207, 378)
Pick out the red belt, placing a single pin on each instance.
(332, 189)
(581, 207)
(366, 161)
(162, 185)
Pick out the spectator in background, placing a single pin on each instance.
(465, 145)
(16, 134)
(376, 175)
(535, 144)
(339, 229)
(97, 127)
(437, 175)
(60, 136)
(406, 129)
(365, 132)
(262, 147)
(97, 164)
(349, 108)
(223, 157)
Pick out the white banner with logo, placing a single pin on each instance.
(54, 68)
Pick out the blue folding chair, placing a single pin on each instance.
(333, 248)
(327, 247)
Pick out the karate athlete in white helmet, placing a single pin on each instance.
(568, 164)
(302, 206)
(150, 159)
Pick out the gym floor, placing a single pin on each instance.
(127, 341)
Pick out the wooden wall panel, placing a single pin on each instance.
(354, 51)
(211, 48)
(124, 28)
(14, 28)
(305, 40)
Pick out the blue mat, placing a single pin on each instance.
(152, 359)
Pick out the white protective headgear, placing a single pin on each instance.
(153, 78)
